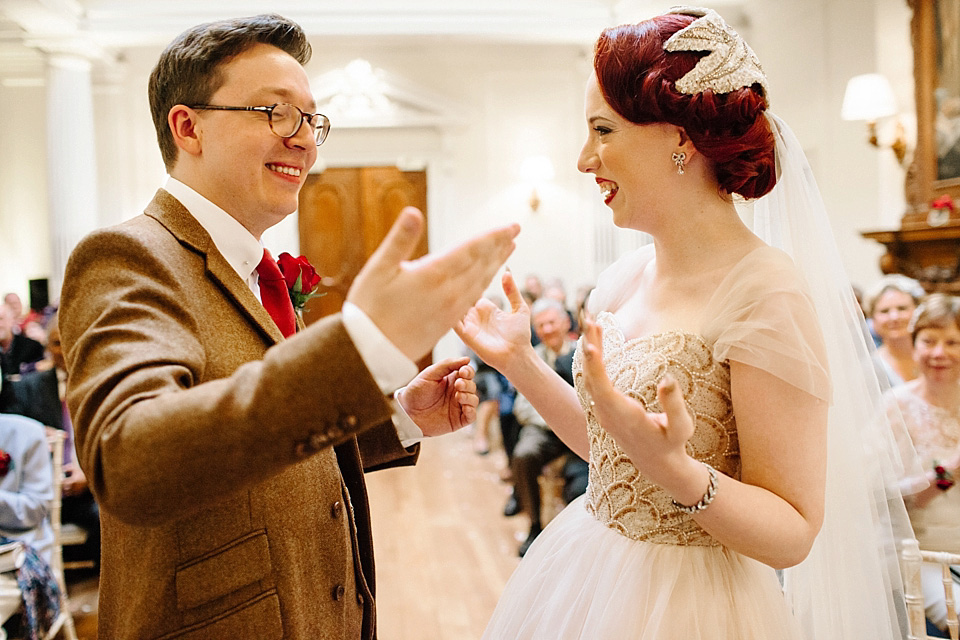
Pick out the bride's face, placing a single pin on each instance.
(633, 164)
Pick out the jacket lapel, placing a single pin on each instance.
(168, 211)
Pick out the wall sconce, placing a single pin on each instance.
(535, 171)
(870, 97)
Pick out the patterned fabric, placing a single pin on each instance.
(935, 434)
(731, 64)
(41, 594)
(935, 431)
(618, 495)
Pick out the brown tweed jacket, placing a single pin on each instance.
(227, 461)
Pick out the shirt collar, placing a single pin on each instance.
(235, 243)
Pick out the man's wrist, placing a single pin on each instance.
(389, 366)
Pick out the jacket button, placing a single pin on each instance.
(336, 509)
(359, 598)
(338, 592)
(348, 422)
(317, 441)
(300, 449)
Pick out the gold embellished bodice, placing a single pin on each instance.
(618, 495)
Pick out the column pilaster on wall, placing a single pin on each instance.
(71, 158)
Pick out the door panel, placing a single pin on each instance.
(345, 213)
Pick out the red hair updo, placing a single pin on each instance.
(638, 80)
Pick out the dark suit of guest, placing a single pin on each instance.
(37, 396)
(23, 353)
(228, 511)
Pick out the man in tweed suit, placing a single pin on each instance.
(228, 461)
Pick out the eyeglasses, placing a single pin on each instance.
(285, 119)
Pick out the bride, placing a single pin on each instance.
(704, 384)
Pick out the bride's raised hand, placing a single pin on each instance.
(655, 442)
(497, 336)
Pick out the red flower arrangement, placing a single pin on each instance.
(6, 463)
(944, 478)
(301, 278)
(943, 202)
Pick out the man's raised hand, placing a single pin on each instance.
(415, 302)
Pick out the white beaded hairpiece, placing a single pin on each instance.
(731, 64)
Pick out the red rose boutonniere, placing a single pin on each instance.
(301, 278)
(6, 463)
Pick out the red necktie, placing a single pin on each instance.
(275, 296)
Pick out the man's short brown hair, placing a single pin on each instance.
(189, 69)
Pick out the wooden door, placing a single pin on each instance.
(344, 215)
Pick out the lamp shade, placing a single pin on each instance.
(868, 97)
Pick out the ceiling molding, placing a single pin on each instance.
(102, 29)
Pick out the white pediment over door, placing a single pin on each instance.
(359, 96)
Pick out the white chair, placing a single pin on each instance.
(71, 534)
(64, 621)
(912, 558)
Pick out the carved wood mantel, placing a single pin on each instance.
(930, 255)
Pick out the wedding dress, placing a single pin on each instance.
(621, 561)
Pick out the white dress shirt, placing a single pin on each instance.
(389, 366)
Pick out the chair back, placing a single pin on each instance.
(55, 439)
(64, 621)
(912, 558)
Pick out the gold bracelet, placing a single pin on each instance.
(707, 498)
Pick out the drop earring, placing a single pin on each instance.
(679, 159)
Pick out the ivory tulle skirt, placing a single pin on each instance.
(583, 580)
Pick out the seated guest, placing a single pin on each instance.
(533, 287)
(21, 318)
(576, 470)
(556, 290)
(26, 483)
(509, 433)
(930, 406)
(26, 490)
(18, 353)
(891, 303)
(537, 444)
(40, 395)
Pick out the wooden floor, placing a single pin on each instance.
(444, 550)
(82, 592)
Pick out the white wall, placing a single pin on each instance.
(24, 250)
(518, 100)
(809, 50)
